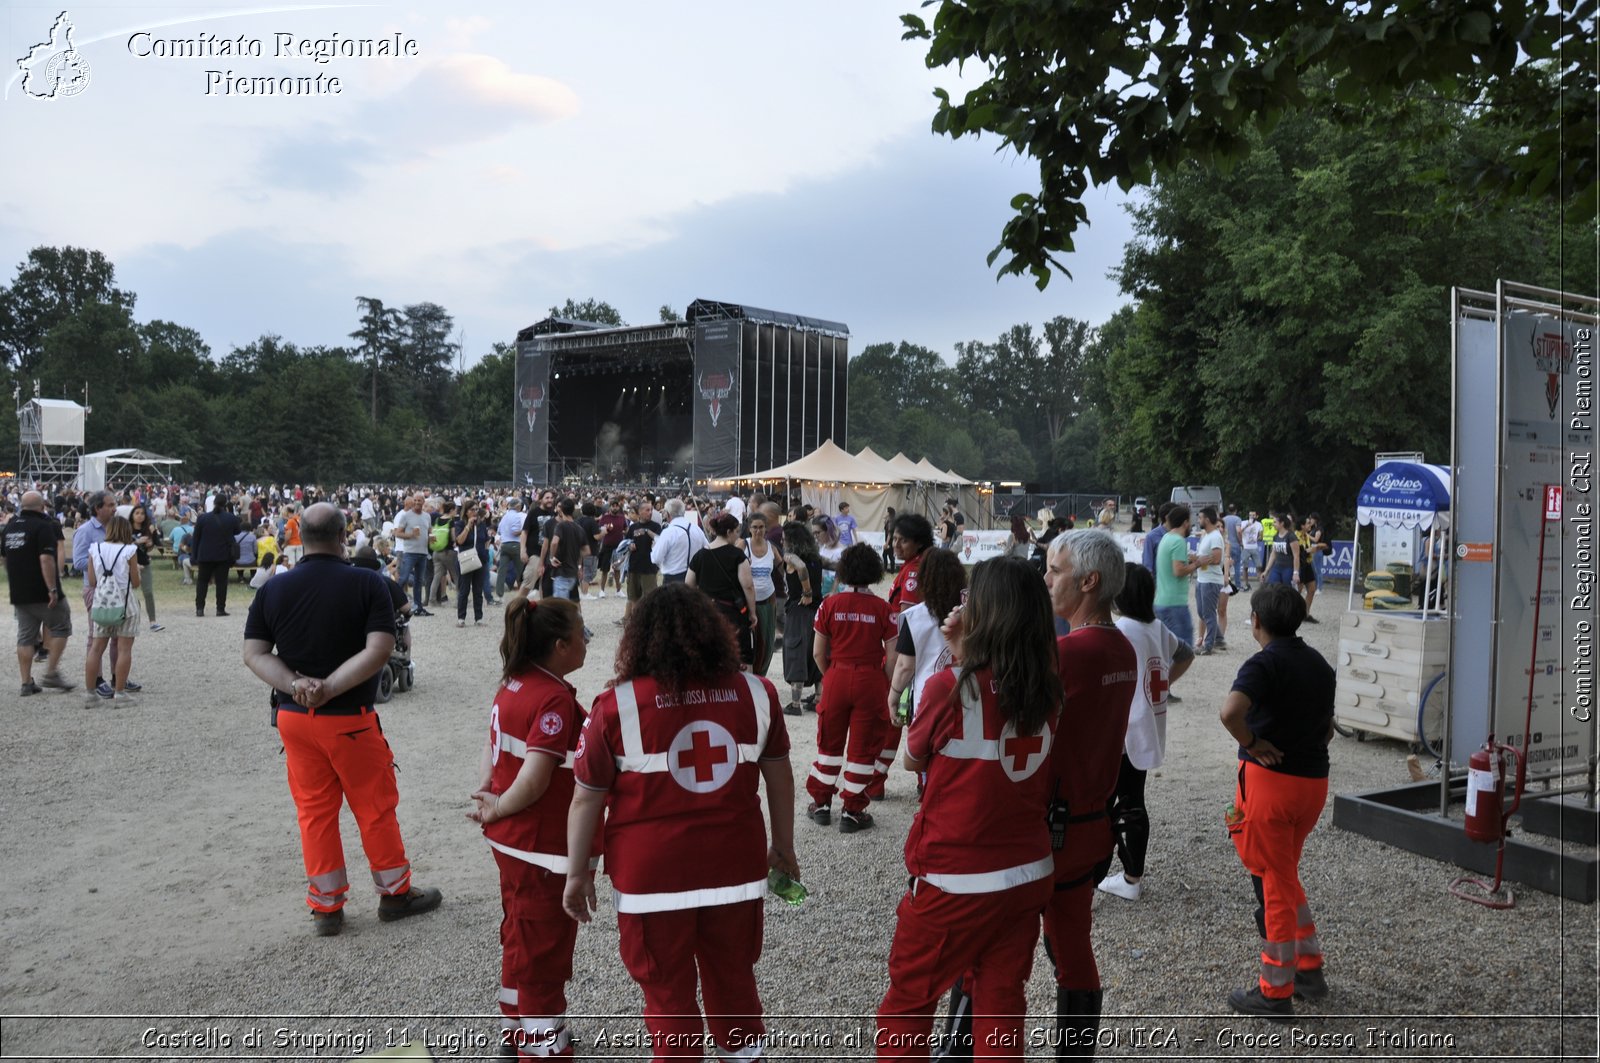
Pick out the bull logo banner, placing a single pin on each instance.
(718, 347)
(714, 387)
(1552, 354)
(531, 428)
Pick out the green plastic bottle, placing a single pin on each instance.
(790, 889)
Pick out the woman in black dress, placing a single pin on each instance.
(723, 572)
(803, 572)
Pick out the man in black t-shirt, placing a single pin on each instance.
(643, 575)
(1280, 711)
(564, 552)
(31, 542)
(333, 629)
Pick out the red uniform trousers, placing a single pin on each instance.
(852, 705)
(1279, 812)
(661, 951)
(333, 759)
(1068, 917)
(536, 942)
(937, 937)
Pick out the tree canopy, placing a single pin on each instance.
(1129, 91)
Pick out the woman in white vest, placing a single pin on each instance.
(1163, 657)
(764, 561)
(921, 651)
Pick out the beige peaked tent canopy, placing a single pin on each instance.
(829, 463)
(905, 466)
(933, 473)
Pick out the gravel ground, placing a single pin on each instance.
(153, 864)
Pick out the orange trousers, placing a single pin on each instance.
(333, 759)
(1279, 812)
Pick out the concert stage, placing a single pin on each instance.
(728, 391)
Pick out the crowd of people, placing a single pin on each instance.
(1032, 705)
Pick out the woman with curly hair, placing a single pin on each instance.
(524, 789)
(803, 570)
(674, 754)
(979, 849)
(852, 628)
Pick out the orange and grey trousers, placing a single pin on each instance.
(334, 757)
(1279, 812)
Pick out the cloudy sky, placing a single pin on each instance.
(640, 153)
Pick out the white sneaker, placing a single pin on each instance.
(602, 594)
(1118, 886)
(593, 597)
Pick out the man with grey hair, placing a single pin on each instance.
(679, 541)
(1099, 676)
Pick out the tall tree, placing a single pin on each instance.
(595, 310)
(379, 333)
(1291, 315)
(51, 285)
(1132, 91)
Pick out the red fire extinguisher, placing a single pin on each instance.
(1486, 821)
(1483, 820)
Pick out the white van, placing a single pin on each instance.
(1197, 496)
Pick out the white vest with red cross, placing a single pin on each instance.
(684, 825)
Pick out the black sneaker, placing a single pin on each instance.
(1311, 619)
(30, 688)
(222, 612)
(414, 902)
(792, 709)
(420, 612)
(327, 924)
(131, 687)
(1310, 985)
(850, 822)
(1252, 1002)
(41, 654)
(821, 815)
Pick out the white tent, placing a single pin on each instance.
(95, 469)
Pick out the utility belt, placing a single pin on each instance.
(1060, 816)
(285, 704)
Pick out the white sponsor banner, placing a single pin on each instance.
(1549, 442)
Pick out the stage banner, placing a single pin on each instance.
(717, 347)
(1546, 510)
(530, 464)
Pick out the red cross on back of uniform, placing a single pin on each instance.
(681, 767)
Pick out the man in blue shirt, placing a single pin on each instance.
(1152, 538)
(846, 525)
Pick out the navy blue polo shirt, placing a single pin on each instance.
(1290, 687)
(318, 615)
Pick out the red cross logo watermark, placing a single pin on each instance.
(702, 757)
(1021, 755)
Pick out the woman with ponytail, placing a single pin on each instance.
(523, 793)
